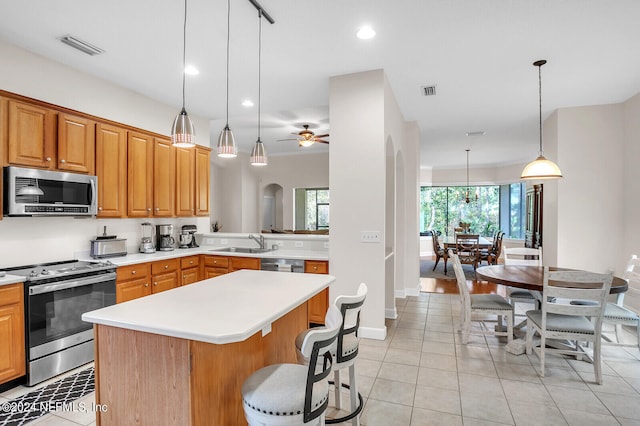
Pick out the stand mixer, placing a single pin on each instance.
(146, 244)
(187, 236)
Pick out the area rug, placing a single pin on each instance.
(58, 395)
(426, 270)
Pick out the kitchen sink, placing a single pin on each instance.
(243, 250)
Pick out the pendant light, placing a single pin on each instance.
(226, 142)
(183, 131)
(541, 168)
(467, 199)
(258, 153)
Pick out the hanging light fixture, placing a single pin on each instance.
(541, 168)
(258, 153)
(183, 131)
(226, 142)
(467, 198)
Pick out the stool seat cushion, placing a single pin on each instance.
(279, 390)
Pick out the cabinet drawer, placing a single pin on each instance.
(189, 262)
(316, 266)
(11, 294)
(140, 270)
(237, 263)
(216, 261)
(162, 266)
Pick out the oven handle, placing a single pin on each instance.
(51, 287)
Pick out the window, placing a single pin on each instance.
(312, 208)
(496, 207)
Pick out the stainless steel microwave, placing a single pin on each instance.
(34, 192)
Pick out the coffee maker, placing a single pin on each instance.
(165, 238)
(147, 244)
(188, 236)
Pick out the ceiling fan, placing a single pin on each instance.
(306, 137)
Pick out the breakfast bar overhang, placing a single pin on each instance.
(181, 356)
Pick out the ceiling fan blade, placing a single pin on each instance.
(321, 141)
(292, 139)
(322, 136)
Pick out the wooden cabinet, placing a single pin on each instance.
(31, 135)
(214, 266)
(12, 355)
(164, 275)
(203, 167)
(164, 178)
(237, 263)
(185, 181)
(76, 144)
(139, 174)
(132, 282)
(111, 169)
(190, 269)
(533, 225)
(319, 304)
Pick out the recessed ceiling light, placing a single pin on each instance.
(365, 33)
(478, 133)
(191, 70)
(247, 103)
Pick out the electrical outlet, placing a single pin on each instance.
(224, 241)
(326, 245)
(299, 244)
(280, 243)
(370, 236)
(207, 241)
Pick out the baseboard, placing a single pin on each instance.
(372, 333)
(400, 294)
(413, 291)
(391, 313)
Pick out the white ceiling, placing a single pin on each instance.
(478, 53)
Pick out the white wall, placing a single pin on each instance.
(631, 177)
(477, 175)
(34, 240)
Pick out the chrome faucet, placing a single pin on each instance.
(259, 239)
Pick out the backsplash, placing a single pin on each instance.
(31, 240)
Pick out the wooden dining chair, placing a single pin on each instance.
(562, 320)
(491, 254)
(438, 251)
(468, 249)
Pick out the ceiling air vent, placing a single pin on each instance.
(82, 46)
(428, 90)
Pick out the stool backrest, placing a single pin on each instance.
(350, 307)
(317, 343)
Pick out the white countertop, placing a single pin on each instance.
(133, 258)
(11, 279)
(225, 309)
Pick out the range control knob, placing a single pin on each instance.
(33, 273)
(45, 272)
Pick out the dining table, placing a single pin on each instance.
(449, 242)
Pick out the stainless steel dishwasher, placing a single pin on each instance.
(282, 265)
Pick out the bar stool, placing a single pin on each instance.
(344, 352)
(292, 394)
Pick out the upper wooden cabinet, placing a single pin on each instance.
(164, 178)
(185, 181)
(76, 144)
(203, 167)
(111, 169)
(31, 135)
(139, 174)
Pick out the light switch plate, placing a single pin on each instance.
(224, 241)
(370, 236)
(326, 245)
(299, 244)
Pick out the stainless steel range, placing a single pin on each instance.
(56, 296)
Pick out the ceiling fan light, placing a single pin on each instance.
(258, 154)
(541, 168)
(306, 142)
(183, 131)
(227, 144)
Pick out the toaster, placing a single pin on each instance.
(108, 248)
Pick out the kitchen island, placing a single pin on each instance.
(181, 356)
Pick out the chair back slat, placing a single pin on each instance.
(523, 256)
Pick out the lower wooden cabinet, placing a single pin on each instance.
(319, 304)
(237, 263)
(213, 266)
(190, 269)
(164, 275)
(12, 355)
(133, 281)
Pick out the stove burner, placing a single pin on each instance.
(60, 270)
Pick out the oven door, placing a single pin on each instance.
(54, 311)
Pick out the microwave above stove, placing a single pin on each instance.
(34, 192)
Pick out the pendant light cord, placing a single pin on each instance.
(228, 38)
(467, 170)
(184, 52)
(540, 153)
(259, 65)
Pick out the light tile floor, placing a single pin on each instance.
(422, 375)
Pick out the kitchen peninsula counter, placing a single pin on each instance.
(181, 356)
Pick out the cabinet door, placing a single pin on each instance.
(210, 272)
(132, 289)
(318, 305)
(185, 181)
(76, 144)
(164, 178)
(190, 275)
(237, 263)
(203, 166)
(165, 281)
(12, 356)
(111, 169)
(31, 135)
(139, 175)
